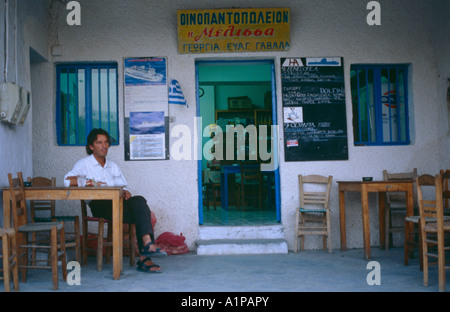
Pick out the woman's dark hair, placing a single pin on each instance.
(93, 136)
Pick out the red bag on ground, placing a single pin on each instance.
(172, 244)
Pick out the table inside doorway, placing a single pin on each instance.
(81, 193)
(380, 187)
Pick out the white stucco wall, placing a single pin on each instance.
(114, 29)
(25, 28)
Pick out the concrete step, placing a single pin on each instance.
(233, 240)
(241, 232)
(241, 246)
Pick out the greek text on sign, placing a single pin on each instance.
(233, 30)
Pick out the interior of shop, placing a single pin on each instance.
(235, 191)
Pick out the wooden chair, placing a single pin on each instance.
(432, 225)
(49, 208)
(211, 190)
(416, 218)
(21, 226)
(9, 257)
(396, 204)
(104, 244)
(251, 182)
(313, 215)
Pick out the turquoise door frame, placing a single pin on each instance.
(274, 141)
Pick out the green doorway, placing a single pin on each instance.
(237, 108)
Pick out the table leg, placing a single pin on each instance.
(382, 219)
(6, 209)
(409, 226)
(365, 220)
(121, 234)
(342, 220)
(225, 191)
(117, 237)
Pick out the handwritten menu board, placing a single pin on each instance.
(314, 118)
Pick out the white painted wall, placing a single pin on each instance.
(412, 31)
(31, 18)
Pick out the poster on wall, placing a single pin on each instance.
(147, 135)
(146, 108)
(314, 117)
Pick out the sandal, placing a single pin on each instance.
(157, 253)
(141, 266)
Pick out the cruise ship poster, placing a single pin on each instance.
(147, 123)
(147, 135)
(145, 71)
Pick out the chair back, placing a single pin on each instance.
(398, 199)
(18, 201)
(429, 196)
(445, 174)
(42, 205)
(250, 173)
(314, 191)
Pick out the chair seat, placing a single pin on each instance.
(401, 209)
(94, 219)
(39, 227)
(58, 218)
(312, 210)
(413, 219)
(416, 219)
(7, 231)
(432, 226)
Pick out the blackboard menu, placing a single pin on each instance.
(314, 118)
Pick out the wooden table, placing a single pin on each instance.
(380, 187)
(82, 193)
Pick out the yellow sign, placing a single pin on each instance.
(233, 30)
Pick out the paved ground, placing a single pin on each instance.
(308, 271)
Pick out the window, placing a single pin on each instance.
(380, 104)
(86, 98)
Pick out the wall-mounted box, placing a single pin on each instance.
(15, 102)
(241, 102)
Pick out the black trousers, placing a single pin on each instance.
(135, 210)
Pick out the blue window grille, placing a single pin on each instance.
(86, 98)
(380, 104)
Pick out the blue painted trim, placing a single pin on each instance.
(88, 98)
(274, 119)
(199, 140)
(380, 141)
